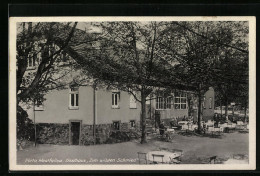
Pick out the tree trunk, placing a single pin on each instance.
(94, 113)
(221, 108)
(226, 109)
(143, 118)
(245, 111)
(189, 109)
(199, 112)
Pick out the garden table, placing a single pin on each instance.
(162, 156)
(170, 130)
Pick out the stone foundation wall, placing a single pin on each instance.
(102, 133)
(124, 126)
(137, 127)
(87, 135)
(51, 133)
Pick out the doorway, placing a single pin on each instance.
(75, 132)
(157, 119)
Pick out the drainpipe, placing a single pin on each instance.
(221, 108)
(94, 112)
(34, 123)
(150, 106)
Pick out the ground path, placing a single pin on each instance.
(194, 148)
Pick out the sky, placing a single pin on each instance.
(88, 27)
(81, 25)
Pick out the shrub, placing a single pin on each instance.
(117, 136)
(24, 125)
(87, 140)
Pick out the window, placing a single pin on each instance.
(168, 102)
(210, 103)
(159, 103)
(132, 101)
(180, 100)
(74, 98)
(115, 99)
(132, 123)
(116, 125)
(163, 103)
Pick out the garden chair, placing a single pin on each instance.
(142, 156)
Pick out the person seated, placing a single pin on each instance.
(162, 128)
(173, 123)
(204, 127)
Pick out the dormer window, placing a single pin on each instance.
(74, 98)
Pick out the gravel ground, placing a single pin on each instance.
(196, 150)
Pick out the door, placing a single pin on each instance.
(157, 118)
(75, 133)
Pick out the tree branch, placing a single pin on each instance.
(202, 36)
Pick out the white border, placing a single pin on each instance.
(12, 97)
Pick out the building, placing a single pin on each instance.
(67, 116)
(208, 106)
(181, 105)
(74, 114)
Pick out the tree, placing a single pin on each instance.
(231, 67)
(234, 88)
(199, 46)
(40, 47)
(129, 58)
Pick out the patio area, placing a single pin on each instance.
(196, 150)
